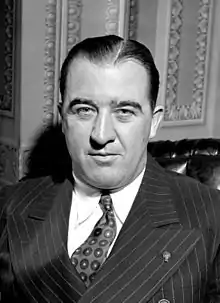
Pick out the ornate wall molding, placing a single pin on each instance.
(200, 69)
(63, 27)
(50, 60)
(176, 23)
(112, 17)
(74, 23)
(133, 19)
(8, 163)
(193, 112)
(7, 99)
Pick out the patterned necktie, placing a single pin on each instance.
(89, 257)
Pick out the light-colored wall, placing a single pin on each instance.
(32, 67)
(213, 99)
(93, 18)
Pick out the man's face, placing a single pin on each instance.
(107, 121)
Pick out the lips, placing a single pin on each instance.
(104, 157)
(102, 154)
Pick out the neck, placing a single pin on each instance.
(85, 189)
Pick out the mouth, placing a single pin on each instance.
(104, 158)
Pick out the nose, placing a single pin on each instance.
(103, 131)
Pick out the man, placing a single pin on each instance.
(121, 228)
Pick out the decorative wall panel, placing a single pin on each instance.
(8, 37)
(184, 77)
(133, 20)
(63, 20)
(194, 110)
(112, 17)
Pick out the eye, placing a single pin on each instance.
(83, 111)
(124, 113)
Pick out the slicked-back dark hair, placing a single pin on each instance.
(112, 50)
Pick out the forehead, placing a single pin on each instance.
(127, 79)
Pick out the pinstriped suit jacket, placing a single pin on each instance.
(170, 214)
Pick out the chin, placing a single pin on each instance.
(106, 182)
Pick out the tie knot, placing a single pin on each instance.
(106, 202)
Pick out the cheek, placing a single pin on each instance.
(77, 136)
(138, 136)
(76, 130)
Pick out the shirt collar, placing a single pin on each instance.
(87, 199)
(123, 199)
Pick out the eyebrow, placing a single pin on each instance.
(133, 104)
(115, 103)
(77, 101)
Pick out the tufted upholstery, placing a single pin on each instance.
(197, 158)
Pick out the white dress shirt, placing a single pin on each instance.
(85, 210)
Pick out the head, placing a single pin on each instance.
(109, 88)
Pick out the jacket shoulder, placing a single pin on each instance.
(11, 196)
(199, 202)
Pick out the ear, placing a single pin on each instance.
(156, 120)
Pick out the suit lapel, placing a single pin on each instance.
(137, 267)
(38, 236)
